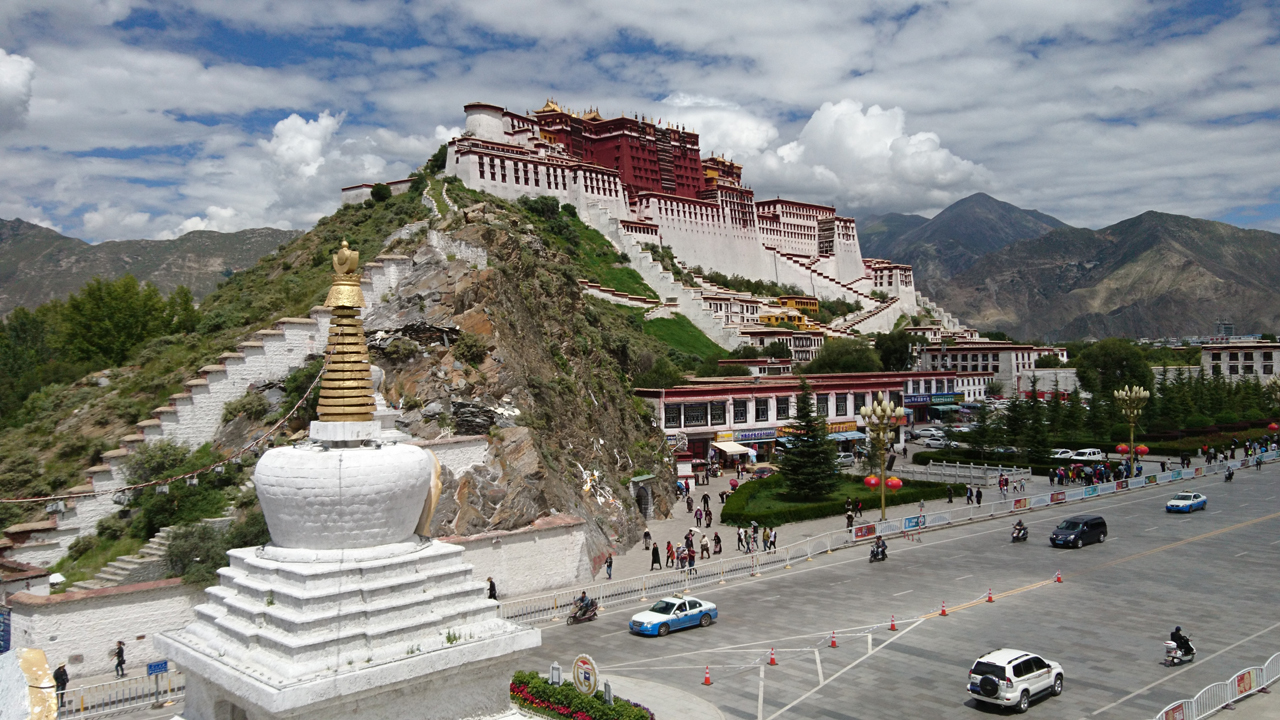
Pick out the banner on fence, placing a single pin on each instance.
(864, 531)
(1199, 472)
(1021, 503)
(1244, 682)
(1176, 713)
(1091, 491)
(913, 523)
(1177, 475)
(1122, 485)
(1149, 480)
(1057, 497)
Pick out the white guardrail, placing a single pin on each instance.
(551, 607)
(122, 695)
(1224, 694)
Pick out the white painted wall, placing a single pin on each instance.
(549, 555)
(89, 623)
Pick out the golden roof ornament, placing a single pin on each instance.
(346, 387)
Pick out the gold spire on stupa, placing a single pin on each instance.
(346, 388)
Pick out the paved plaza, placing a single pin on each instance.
(1212, 572)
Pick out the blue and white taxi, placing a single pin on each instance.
(1186, 502)
(673, 613)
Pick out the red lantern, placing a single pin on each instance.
(1273, 427)
(1122, 449)
(893, 484)
(872, 481)
(1141, 450)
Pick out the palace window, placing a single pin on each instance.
(784, 408)
(695, 415)
(1266, 356)
(842, 404)
(1233, 369)
(762, 410)
(1235, 356)
(1267, 369)
(671, 415)
(822, 404)
(1216, 357)
(717, 413)
(1248, 356)
(739, 411)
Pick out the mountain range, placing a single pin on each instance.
(42, 265)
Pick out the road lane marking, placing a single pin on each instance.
(846, 668)
(1245, 505)
(966, 577)
(817, 659)
(1174, 674)
(614, 633)
(1215, 512)
(1152, 528)
(1273, 497)
(760, 697)
(1246, 552)
(904, 592)
(1274, 543)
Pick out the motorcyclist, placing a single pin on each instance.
(1019, 528)
(880, 548)
(1183, 643)
(582, 605)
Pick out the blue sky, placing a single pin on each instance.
(149, 118)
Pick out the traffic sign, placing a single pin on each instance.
(156, 668)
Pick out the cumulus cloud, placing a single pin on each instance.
(724, 127)
(297, 145)
(866, 160)
(218, 219)
(112, 217)
(16, 73)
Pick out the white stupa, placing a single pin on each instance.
(350, 611)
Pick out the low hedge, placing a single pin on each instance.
(532, 692)
(736, 509)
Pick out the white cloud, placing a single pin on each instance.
(110, 217)
(724, 128)
(867, 160)
(218, 219)
(16, 73)
(297, 145)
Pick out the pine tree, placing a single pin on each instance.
(1073, 416)
(1053, 408)
(980, 435)
(1036, 435)
(809, 464)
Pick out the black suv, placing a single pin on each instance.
(1079, 531)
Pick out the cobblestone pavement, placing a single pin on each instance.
(1212, 572)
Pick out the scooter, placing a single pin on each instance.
(1173, 655)
(581, 614)
(878, 554)
(1019, 534)
(1231, 475)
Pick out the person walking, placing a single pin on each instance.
(688, 502)
(715, 541)
(741, 539)
(968, 494)
(848, 504)
(493, 590)
(656, 562)
(704, 549)
(951, 495)
(773, 539)
(692, 560)
(608, 568)
(119, 653)
(671, 555)
(647, 539)
(697, 517)
(848, 520)
(706, 502)
(60, 680)
(707, 517)
(977, 495)
(857, 508)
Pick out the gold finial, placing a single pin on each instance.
(346, 388)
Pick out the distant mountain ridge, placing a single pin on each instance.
(954, 239)
(42, 265)
(1153, 275)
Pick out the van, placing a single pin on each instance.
(1078, 531)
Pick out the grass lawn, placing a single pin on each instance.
(681, 334)
(88, 565)
(765, 500)
(596, 257)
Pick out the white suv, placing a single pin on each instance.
(1012, 677)
(1089, 455)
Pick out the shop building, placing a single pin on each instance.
(1241, 360)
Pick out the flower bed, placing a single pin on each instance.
(532, 692)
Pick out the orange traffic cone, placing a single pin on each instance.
(893, 626)
(1059, 577)
(989, 598)
(944, 609)
(772, 659)
(833, 638)
(706, 679)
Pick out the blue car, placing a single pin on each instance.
(1187, 502)
(673, 613)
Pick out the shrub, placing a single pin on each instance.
(1254, 415)
(252, 406)
(381, 192)
(470, 348)
(1198, 421)
(400, 351)
(82, 545)
(1226, 417)
(545, 207)
(532, 691)
(112, 528)
(736, 512)
(569, 210)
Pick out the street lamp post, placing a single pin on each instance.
(1131, 401)
(881, 417)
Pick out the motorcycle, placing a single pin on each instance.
(582, 613)
(1019, 534)
(1174, 655)
(1231, 475)
(878, 554)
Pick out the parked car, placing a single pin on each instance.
(931, 432)
(1005, 449)
(762, 473)
(1187, 502)
(1078, 531)
(673, 613)
(1011, 678)
(845, 459)
(940, 442)
(1088, 455)
(1062, 454)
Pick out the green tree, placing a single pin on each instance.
(1111, 364)
(777, 349)
(895, 350)
(981, 433)
(1036, 434)
(661, 373)
(1053, 409)
(380, 193)
(1048, 361)
(180, 311)
(809, 464)
(1073, 415)
(436, 164)
(107, 319)
(844, 355)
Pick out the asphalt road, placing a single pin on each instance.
(1213, 572)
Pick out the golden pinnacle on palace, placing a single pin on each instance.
(346, 388)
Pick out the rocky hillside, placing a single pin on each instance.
(42, 265)
(954, 239)
(1150, 276)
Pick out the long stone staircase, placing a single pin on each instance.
(148, 564)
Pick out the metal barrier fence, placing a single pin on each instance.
(554, 606)
(119, 695)
(1224, 694)
(968, 473)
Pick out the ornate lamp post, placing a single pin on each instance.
(1131, 401)
(881, 417)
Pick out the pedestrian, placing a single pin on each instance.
(697, 517)
(656, 562)
(968, 494)
(493, 590)
(857, 508)
(1022, 485)
(647, 539)
(60, 680)
(920, 506)
(671, 555)
(688, 502)
(608, 568)
(1257, 462)
(705, 548)
(773, 536)
(692, 560)
(715, 541)
(706, 502)
(848, 520)
(977, 495)
(708, 516)
(848, 504)
(951, 495)
(741, 543)
(682, 556)
(119, 653)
